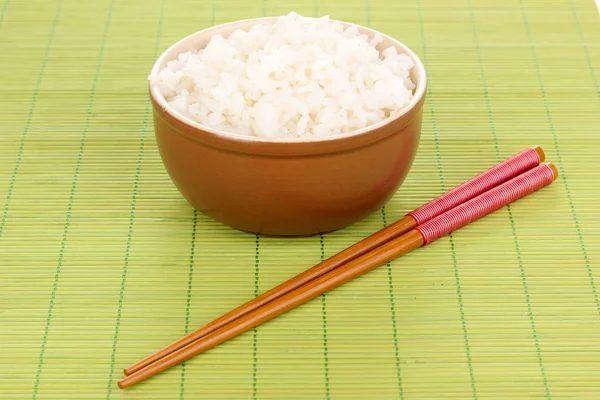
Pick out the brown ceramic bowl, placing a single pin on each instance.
(286, 188)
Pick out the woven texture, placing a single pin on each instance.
(103, 262)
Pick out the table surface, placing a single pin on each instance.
(103, 262)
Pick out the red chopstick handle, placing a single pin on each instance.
(488, 202)
(508, 169)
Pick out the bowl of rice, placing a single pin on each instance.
(290, 125)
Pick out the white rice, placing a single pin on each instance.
(297, 78)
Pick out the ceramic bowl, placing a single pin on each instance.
(286, 188)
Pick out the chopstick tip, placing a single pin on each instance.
(126, 382)
(540, 152)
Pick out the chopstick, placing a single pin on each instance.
(502, 172)
(425, 234)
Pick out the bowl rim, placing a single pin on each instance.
(160, 102)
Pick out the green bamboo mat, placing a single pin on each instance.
(102, 261)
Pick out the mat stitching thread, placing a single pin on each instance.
(324, 295)
(529, 308)
(443, 186)
(508, 207)
(256, 277)
(462, 316)
(585, 47)
(188, 302)
(325, 340)
(393, 315)
(4, 8)
(254, 330)
(559, 158)
(71, 195)
(192, 250)
(32, 106)
(132, 219)
(389, 270)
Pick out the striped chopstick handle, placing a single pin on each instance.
(488, 202)
(494, 176)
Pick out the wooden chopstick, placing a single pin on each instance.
(508, 169)
(424, 234)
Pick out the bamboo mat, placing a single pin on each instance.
(102, 261)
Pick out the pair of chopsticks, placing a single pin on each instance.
(495, 188)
